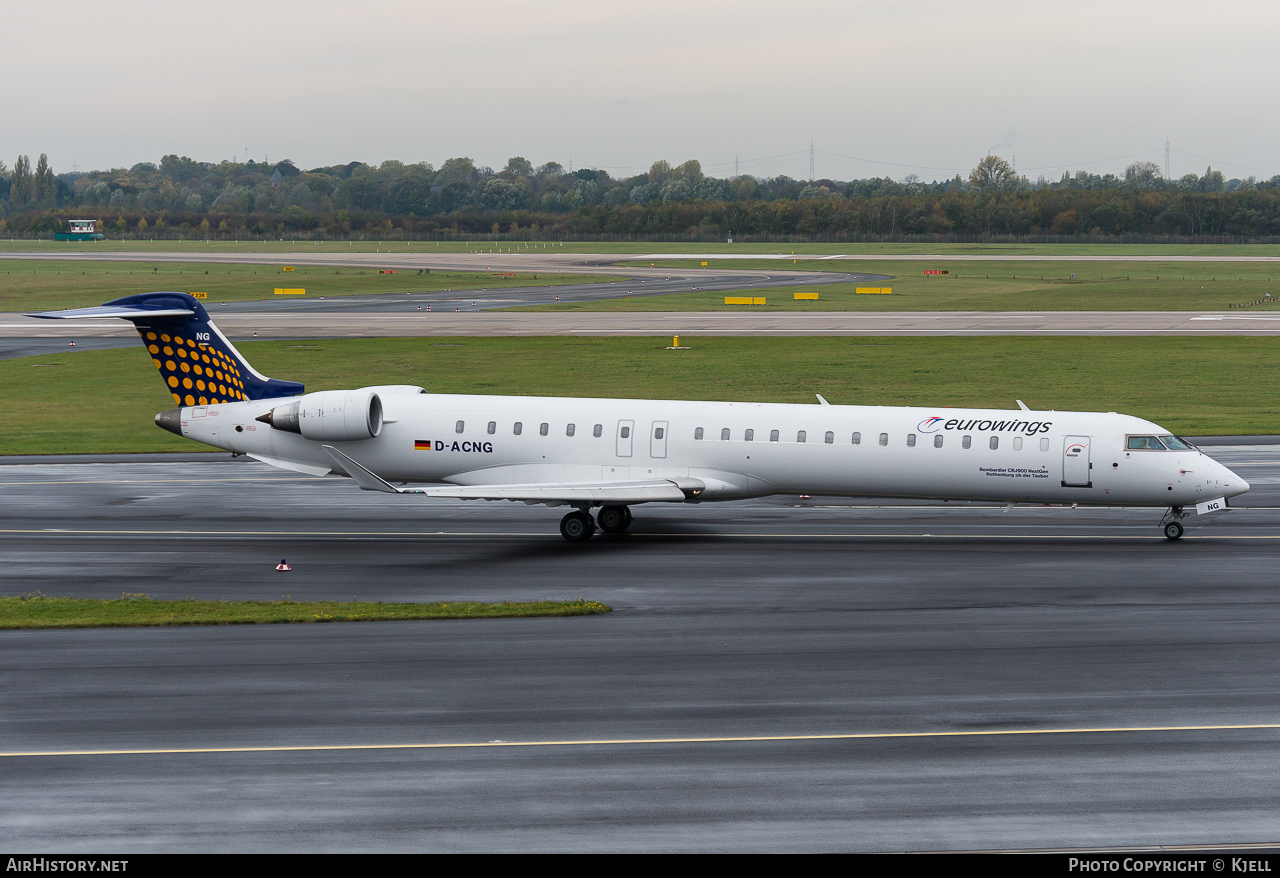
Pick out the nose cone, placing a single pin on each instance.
(1232, 484)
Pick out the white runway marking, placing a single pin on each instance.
(623, 742)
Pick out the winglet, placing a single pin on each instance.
(1022, 405)
(365, 478)
(821, 400)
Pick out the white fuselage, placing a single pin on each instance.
(1017, 456)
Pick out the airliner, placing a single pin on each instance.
(600, 457)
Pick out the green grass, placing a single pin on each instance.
(135, 610)
(985, 286)
(35, 285)
(104, 401)
(720, 247)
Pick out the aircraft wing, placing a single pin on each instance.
(650, 491)
(127, 312)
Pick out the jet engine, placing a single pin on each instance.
(332, 415)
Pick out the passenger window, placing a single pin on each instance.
(1044, 444)
(658, 433)
(800, 436)
(994, 443)
(884, 438)
(697, 433)
(857, 438)
(457, 428)
(830, 438)
(773, 435)
(749, 435)
(1017, 443)
(493, 427)
(517, 428)
(966, 442)
(597, 430)
(911, 440)
(937, 441)
(625, 432)
(569, 429)
(724, 434)
(543, 428)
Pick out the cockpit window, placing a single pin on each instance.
(1175, 443)
(1145, 443)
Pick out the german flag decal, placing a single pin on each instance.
(422, 445)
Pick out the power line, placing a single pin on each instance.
(1212, 162)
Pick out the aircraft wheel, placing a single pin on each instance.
(1173, 530)
(577, 527)
(614, 519)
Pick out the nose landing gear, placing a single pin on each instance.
(1172, 525)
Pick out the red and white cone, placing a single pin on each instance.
(283, 566)
(73, 344)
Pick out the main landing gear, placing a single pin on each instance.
(579, 526)
(614, 519)
(1172, 525)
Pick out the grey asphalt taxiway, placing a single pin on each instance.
(22, 336)
(782, 674)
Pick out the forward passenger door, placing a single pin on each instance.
(1075, 462)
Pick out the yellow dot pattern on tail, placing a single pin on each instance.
(184, 358)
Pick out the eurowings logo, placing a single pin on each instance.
(929, 425)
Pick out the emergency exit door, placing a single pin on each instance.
(625, 429)
(658, 440)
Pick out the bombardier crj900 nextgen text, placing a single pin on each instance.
(611, 454)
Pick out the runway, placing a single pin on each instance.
(20, 335)
(774, 619)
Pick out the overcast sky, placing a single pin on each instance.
(881, 88)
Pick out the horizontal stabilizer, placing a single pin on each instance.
(651, 491)
(294, 466)
(126, 312)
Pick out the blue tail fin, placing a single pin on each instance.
(198, 363)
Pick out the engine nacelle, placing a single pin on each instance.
(330, 415)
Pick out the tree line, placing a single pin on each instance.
(181, 197)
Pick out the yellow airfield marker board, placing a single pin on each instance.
(875, 291)
(744, 300)
(199, 295)
(280, 292)
(806, 296)
(288, 268)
